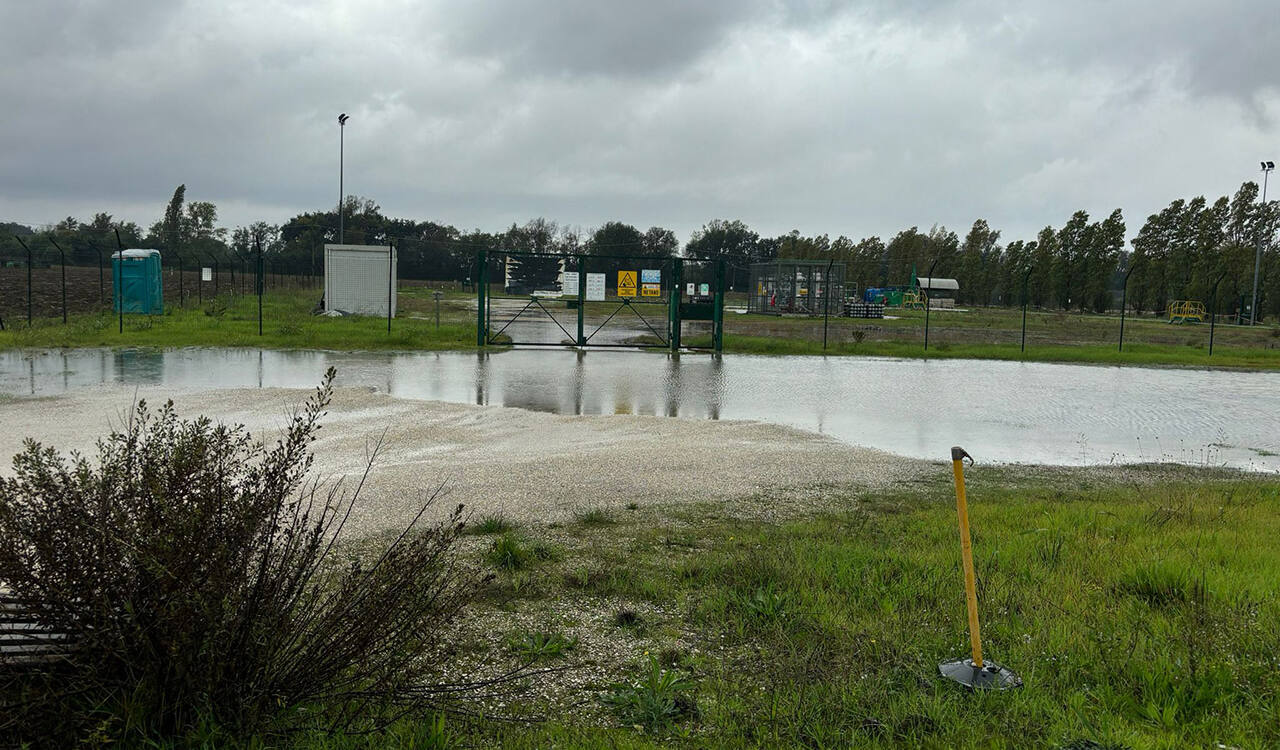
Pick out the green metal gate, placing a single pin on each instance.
(542, 299)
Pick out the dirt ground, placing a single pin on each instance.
(534, 467)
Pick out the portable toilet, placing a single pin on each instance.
(136, 281)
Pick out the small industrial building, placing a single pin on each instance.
(360, 279)
(941, 292)
(136, 283)
(797, 286)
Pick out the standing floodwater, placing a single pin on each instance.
(1001, 411)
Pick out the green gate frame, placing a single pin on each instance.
(678, 311)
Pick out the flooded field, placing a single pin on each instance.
(1000, 411)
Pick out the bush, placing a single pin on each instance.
(197, 568)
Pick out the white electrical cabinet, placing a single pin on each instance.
(360, 279)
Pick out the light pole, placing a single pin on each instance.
(1267, 166)
(342, 129)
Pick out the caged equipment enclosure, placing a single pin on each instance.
(797, 287)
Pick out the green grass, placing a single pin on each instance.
(1139, 615)
(1139, 609)
(233, 321)
(982, 333)
(594, 517)
(1133, 354)
(493, 523)
(540, 645)
(511, 552)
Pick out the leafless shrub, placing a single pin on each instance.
(197, 570)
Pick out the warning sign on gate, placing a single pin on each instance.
(650, 290)
(626, 283)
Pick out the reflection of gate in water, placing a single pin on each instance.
(540, 299)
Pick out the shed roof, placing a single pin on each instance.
(937, 283)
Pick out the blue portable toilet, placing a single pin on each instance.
(136, 281)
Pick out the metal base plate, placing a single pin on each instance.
(990, 676)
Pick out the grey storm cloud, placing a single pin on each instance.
(849, 118)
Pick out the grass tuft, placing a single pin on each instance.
(493, 523)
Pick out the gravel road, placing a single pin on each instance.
(535, 467)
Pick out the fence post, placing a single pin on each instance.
(391, 275)
(826, 301)
(28, 249)
(62, 258)
(926, 302)
(1026, 277)
(214, 261)
(117, 280)
(481, 290)
(1124, 300)
(582, 299)
(258, 245)
(718, 307)
(677, 322)
(1213, 316)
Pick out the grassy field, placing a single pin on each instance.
(989, 333)
(996, 333)
(1139, 606)
(287, 324)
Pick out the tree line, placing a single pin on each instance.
(1181, 252)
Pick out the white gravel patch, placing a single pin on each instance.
(534, 467)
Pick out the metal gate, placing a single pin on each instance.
(542, 299)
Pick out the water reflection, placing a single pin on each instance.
(1000, 411)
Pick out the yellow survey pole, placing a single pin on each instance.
(972, 673)
(966, 553)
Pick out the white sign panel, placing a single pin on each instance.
(691, 289)
(650, 276)
(569, 284)
(595, 287)
(206, 274)
(704, 289)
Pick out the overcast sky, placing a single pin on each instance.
(852, 118)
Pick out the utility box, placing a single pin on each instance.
(360, 279)
(136, 283)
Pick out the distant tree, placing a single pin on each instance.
(1073, 240)
(171, 233)
(732, 240)
(660, 243)
(616, 238)
(1101, 260)
(979, 254)
(1044, 254)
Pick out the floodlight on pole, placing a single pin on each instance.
(1267, 166)
(342, 123)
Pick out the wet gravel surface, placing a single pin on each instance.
(531, 466)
